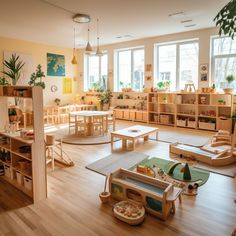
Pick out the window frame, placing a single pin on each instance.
(177, 70)
(214, 57)
(133, 49)
(86, 66)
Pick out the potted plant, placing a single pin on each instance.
(82, 99)
(12, 114)
(221, 102)
(229, 79)
(3, 81)
(57, 101)
(213, 88)
(13, 68)
(104, 99)
(36, 77)
(105, 196)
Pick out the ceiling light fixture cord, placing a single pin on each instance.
(59, 7)
(98, 53)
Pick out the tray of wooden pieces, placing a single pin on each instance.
(129, 211)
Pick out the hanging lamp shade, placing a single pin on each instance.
(88, 49)
(74, 60)
(98, 52)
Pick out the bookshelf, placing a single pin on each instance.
(23, 157)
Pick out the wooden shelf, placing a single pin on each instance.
(18, 186)
(21, 155)
(181, 114)
(22, 172)
(5, 147)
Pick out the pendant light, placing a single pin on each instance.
(88, 49)
(74, 60)
(98, 52)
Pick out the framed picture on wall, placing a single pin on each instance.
(203, 70)
(55, 65)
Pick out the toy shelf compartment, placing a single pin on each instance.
(16, 91)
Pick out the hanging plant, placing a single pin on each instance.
(225, 19)
(36, 77)
(13, 68)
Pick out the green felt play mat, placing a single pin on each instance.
(165, 165)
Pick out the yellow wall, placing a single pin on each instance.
(204, 37)
(39, 53)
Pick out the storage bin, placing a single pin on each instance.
(28, 183)
(206, 125)
(7, 170)
(165, 119)
(19, 178)
(181, 123)
(191, 124)
(155, 118)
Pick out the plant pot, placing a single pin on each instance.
(13, 118)
(213, 90)
(105, 107)
(228, 91)
(104, 197)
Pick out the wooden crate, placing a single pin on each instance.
(206, 125)
(126, 114)
(165, 119)
(119, 114)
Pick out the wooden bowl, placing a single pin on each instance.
(104, 197)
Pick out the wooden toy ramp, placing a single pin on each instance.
(215, 159)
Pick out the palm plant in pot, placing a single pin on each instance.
(229, 79)
(13, 68)
(105, 99)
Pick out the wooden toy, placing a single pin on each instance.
(157, 196)
(145, 170)
(221, 151)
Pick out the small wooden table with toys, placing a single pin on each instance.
(132, 134)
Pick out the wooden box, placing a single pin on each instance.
(126, 114)
(132, 115)
(191, 124)
(224, 124)
(181, 123)
(145, 116)
(139, 116)
(119, 114)
(165, 119)
(19, 178)
(206, 125)
(28, 183)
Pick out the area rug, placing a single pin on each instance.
(166, 134)
(113, 162)
(163, 164)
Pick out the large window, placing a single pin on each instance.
(130, 69)
(95, 72)
(223, 61)
(177, 63)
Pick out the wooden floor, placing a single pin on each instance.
(73, 206)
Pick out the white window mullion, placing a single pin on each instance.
(177, 67)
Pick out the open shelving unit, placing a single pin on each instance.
(24, 158)
(130, 106)
(207, 111)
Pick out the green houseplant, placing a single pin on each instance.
(225, 19)
(105, 99)
(3, 81)
(13, 68)
(12, 114)
(57, 101)
(36, 77)
(229, 79)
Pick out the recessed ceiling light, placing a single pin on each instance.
(192, 25)
(185, 21)
(177, 15)
(124, 36)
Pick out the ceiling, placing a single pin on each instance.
(41, 21)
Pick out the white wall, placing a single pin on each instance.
(203, 36)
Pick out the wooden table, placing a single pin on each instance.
(88, 116)
(133, 133)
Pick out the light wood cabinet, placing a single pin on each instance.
(25, 165)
